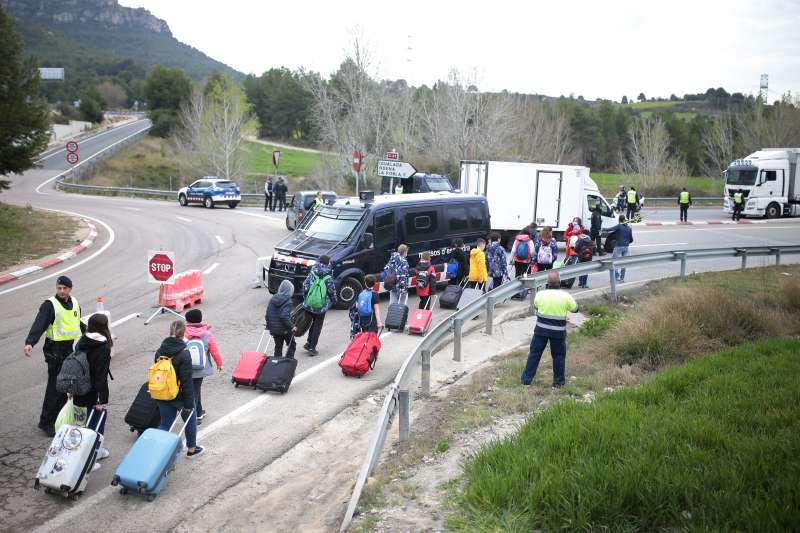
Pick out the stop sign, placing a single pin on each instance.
(357, 160)
(160, 267)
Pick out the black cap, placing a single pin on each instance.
(194, 316)
(65, 281)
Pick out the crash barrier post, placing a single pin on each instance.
(438, 335)
(186, 291)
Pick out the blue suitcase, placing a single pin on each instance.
(150, 460)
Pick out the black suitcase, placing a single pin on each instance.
(611, 242)
(450, 297)
(277, 374)
(302, 320)
(143, 413)
(569, 261)
(396, 317)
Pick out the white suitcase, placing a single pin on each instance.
(469, 295)
(69, 460)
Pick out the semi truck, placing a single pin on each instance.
(769, 180)
(521, 193)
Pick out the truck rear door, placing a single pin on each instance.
(547, 208)
(473, 177)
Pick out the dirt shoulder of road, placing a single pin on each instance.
(30, 235)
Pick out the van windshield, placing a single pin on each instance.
(439, 184)
(330, 224)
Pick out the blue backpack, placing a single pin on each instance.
(364, 303)
(523, 250)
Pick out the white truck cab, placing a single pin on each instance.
(769, 181)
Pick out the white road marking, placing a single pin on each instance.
(124, 319)
(219, 239)
(131, 208)
(665, 244)
(111, 237)
(210, 269)
(183, 218)
(262, 217)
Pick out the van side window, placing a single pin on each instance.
(384, 230)
(457, 218)
(477, 217)
(421, 223)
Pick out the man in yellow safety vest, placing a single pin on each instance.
(632, 202)
(684, 201)
(552, 307)
(59, 319)
(738, 204)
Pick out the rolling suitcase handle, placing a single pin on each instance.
(89, 418)
(431, 300)
(185, 422)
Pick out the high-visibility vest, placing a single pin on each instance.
(631, 197)
(552, 307)
(738, 198)
(66, 325)
(684, 197)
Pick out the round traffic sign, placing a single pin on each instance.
(357, 158)
(72, 146)
(72, 158)
(160, 267)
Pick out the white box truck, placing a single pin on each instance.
(769, 180)
(521, 193)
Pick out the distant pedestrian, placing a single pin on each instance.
(425, 280)
(496, 262)
(546, 249)
(459, 255)
(199, 336)
(280, 189)
(319, 295)
(268, 190)
(523, 252)
(624, 237)
(279, 319)
(59, 319)
(398, 189)
(365, 313)
(621, 199)
(396, 276)
(684, 201)
(318, 201)
(632, 202)
(597, 228)
(552, 307)
(478, 275)
(738, 204)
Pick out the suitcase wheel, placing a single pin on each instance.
(74, 497)
(123, 491)
(115, 481)
(150, 497)
(48, 490)
(236, 385)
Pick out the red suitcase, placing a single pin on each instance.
(249, 366)
(419, 320)
(361, 354)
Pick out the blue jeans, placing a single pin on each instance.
(558, 348)
(582, 280)
(169, 410)
(620, 251)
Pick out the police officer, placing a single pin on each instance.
(684, 201)
(59, 318)
(632, 202)
(552, 306)
(738, 204)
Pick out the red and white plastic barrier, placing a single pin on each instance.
(187, 291)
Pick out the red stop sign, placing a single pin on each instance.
(357, 161)
(160, 267)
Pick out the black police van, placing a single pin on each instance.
(359, 235)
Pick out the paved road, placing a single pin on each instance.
(240, 442)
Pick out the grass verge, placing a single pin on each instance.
(609, 182)
(293, 163)
(27, 234)
(710, 445)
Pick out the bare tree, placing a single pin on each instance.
(113, 95)
(543, 133)
(770, 126)
(648, 157)
(718, 144)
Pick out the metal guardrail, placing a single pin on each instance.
(398, 398)
(65, 185)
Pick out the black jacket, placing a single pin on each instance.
(98, 353)
(597, 222)
(175, 349)
(461, 258)
(44, 318)
(279, 315)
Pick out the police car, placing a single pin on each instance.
(210, 191)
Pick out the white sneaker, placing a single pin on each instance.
(102, 453)
(96, 467)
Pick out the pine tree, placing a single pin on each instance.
(24, 117)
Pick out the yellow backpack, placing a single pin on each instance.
(162, 381)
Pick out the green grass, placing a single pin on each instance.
(711, 445)
(28, 234)
(609, 183)
(654, 105)
(293, 163)
(601, 318)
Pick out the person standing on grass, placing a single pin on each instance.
(684, 201)
(624, 238)
(552, 307)
(59, 319)
(268, 190)
(197, 330)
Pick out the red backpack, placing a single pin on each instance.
(361, 354)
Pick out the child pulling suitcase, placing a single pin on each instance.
(250, 364)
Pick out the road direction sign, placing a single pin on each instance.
(161, 267)
(392, 156)
(72, 157)
(276, 157)
(72, 146)
(395, 169)
(357, 159)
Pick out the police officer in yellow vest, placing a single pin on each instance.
(738, 204)
(552, 307)
(684, 201)
(632, 202)
(59, 319)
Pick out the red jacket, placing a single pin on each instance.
(195, 331)
(431, 279)
(572, 230)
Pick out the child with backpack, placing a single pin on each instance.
(169, 381)
(279, 319)
(546, 249)
(522, 252)
(365, 313)
(319, 294)
(426, 279)
(459, 257)
(396, 276)
(584, 249)
(496, 260)
(201, 342)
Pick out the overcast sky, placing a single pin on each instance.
(598, 49)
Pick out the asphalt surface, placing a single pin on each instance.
(226, 243)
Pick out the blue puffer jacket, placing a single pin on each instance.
(320, 270)
(495, 260)
(399, 265)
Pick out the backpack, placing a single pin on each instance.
(523, 250)
(391, 280)
(197, 349)
(584, 248)
(422, 279)
(74, 378)
(364, 303)
(317, 295)
(162, 381)
(545, 254)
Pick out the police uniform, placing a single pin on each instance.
(632, 203)
(552, 307)
(738, 205)
(684, 201)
